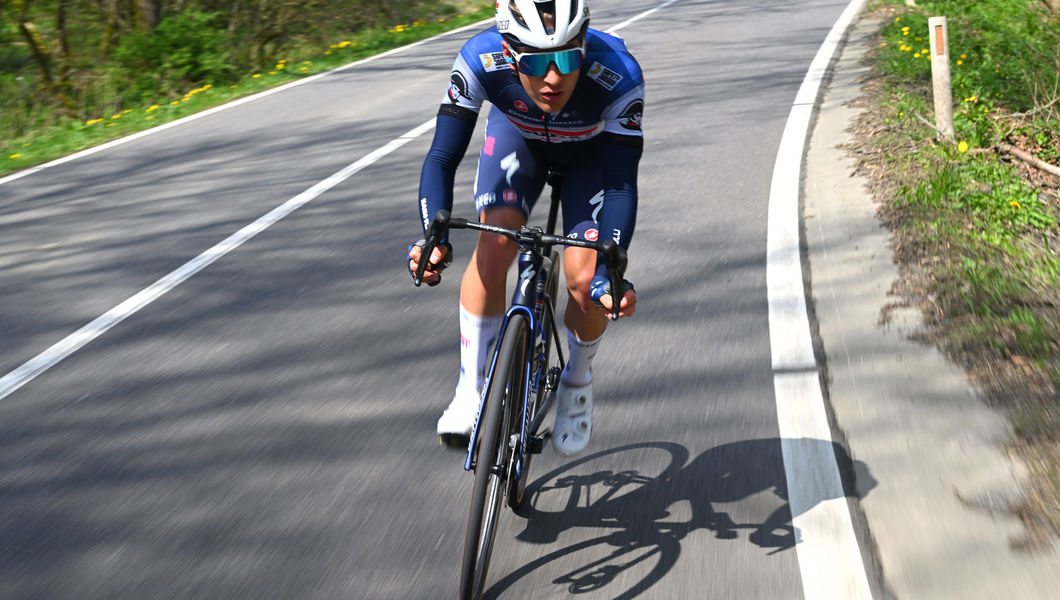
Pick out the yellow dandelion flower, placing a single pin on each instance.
(962, 147)
(117, 116)
(149, 117)
(174, 103)
(896, 19)
(307, 62)
(15, 155)
(256, 75)
(883, 43)
(971, 99)
(110, 124)
(93, 121)
(272, 72)
(917, 55)
(964, 56)
(1015, 205)
(960, 62)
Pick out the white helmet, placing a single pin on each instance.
(522, 22)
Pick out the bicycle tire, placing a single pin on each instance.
(517, 485)
(487, 497)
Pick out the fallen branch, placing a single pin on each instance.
(1029, 158)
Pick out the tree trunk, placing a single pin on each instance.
(43, 57)
(147, 15)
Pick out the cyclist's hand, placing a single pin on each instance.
(600, 292)
(441, 257)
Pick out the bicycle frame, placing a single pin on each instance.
(534, 271)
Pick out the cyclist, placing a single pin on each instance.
(562, 95)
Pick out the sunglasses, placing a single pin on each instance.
(536, 64)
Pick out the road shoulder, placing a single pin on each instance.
(941, 514)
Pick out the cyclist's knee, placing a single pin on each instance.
(494, 253)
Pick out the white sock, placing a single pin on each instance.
(579, 366)
(477, 335)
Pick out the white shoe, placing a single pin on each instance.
(455, 424)
(574, 418)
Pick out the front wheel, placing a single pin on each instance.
(492, 458)
(542, 360)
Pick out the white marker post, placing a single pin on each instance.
(940, 76)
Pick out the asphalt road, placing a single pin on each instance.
(266, 428)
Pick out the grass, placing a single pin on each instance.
(976, 230)
(53, 138)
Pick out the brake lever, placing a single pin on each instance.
(616, 259)
(437, 230)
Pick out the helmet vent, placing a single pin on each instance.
(546, 11)
(517, 14)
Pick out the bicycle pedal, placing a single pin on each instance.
(536, 443)
(455, 441)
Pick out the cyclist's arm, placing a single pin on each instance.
(452, 134)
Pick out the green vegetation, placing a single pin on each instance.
(976, 225)
(74, 74)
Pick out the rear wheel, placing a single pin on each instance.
(492, 458)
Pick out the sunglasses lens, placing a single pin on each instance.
(537, 65)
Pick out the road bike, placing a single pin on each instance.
(523, 377)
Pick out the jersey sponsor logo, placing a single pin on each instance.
(493, 61)
(458, 88)
(521, 106)
(597, 201)
(592, 235)
(510, 196)
(604, 76)
(554, 133)
(482, 201)
(631, 115)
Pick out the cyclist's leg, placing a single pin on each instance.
(507, 183)
(582, 198)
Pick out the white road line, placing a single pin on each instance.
(830, 561)
(71, 343)
(640, 16)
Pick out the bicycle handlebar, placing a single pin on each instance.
(615, 257)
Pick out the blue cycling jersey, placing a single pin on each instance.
(602, 116)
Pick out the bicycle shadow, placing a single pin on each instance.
(645, 512)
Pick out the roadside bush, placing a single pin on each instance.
(186, 48)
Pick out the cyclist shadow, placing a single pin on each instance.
(648, 515)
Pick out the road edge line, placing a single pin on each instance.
(830, 559)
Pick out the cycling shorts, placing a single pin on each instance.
(511, 173)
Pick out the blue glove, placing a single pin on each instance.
(601, 287)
